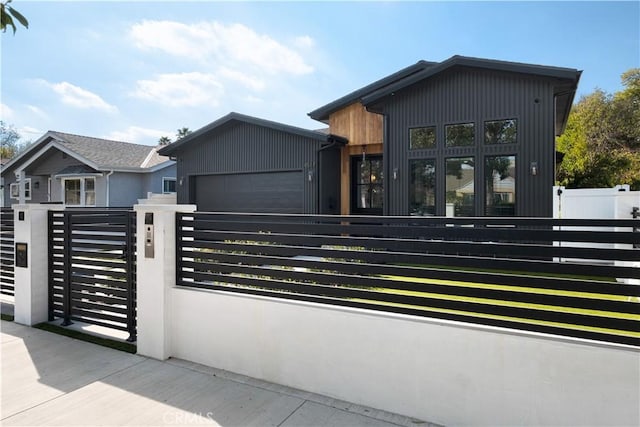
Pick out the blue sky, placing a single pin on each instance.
(134, 71)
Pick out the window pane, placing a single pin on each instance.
(500, 186)
(500, 132)
(460, 186)
(460, 135)
(169, 185)
(376, 171)
(422, 137)
(377, 195)
(27, 188)
(364, 197)
(89, 184)
(90, 191)
(72, 191)
(422, 187)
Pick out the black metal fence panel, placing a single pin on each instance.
(92, 276)
(7, 281)
(564, 277)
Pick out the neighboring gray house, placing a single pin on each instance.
(240, 163)
(83, 171)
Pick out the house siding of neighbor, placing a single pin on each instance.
(245, 164)
(84, 171)
(464, 137)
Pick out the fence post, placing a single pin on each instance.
(156, 275)
(32, 281)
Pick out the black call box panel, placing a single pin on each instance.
(21, 255)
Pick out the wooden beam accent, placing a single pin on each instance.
(358, 125)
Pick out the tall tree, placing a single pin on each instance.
(182, 132)
(164, 140)
(7, 14)
(601, 143)
(9, 141)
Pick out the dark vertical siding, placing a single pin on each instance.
(468, 95)
(246, 148)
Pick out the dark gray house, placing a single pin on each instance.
(462, 137)
(244, 164)
(84, 171)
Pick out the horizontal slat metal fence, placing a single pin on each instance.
(7, 281)
(535, 274)
(92, 275)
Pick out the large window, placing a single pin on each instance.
(460, 135)
(14, 189)
(460, 194)
(79, 191)
(501, 131)
(367, 185)
(168, 185)
(500, 186)
(422, 137)
(422, 187)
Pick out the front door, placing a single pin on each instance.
(367, 185)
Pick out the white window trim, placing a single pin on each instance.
(168, 178)
(82, 190)
(27, 186)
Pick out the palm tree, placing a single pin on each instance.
(7, 14)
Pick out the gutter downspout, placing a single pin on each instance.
(108, 195)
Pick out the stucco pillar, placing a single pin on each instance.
(156, 275)
(32, 282)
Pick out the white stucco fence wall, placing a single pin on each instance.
(443, 372)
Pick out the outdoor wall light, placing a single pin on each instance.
(180, 182)
(310, 175)
(534, 168)
(395, 173)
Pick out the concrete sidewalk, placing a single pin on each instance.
(48, 379)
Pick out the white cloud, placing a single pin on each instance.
(6, 113)
(246, 80)
(214, 42)
(78, 97)
(30, 133)
(181, 89)
(38, 112)
(304, 42)
(138, 135)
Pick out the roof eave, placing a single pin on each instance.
(322, 114)
(172, 149)
(541, 70)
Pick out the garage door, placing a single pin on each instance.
(280, 192)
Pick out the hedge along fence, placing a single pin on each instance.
(518, 273)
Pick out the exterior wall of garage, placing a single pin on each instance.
(242, 148)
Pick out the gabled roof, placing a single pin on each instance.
(237, 118)
(564, 90)
(322, 113)
(465, 61)
(97, 153)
